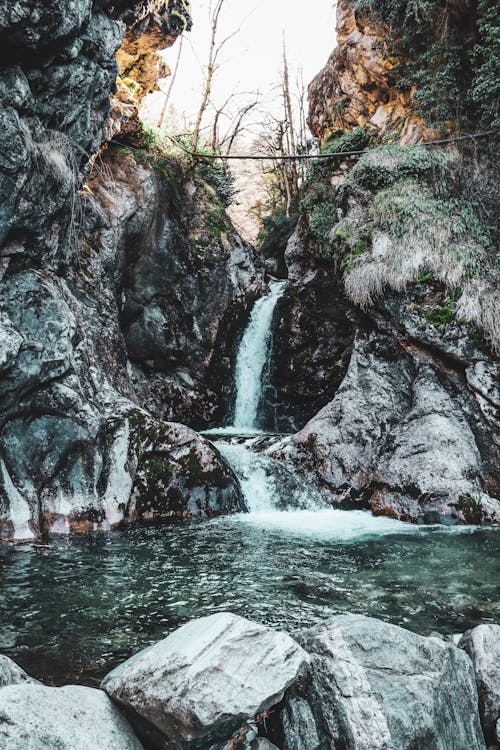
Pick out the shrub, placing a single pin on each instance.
(322, 220)
(219, 176)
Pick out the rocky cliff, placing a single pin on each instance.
(356, 89)
(409, 70)
(391, 318)
(106, 259)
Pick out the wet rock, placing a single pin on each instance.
(179, 474)
(312, 339)
(65, 718)
(262, 744)
(482, 644)
(11, 674)
(402, 437)
(55, 84)
(202, 683)
(91, 278)
(377, 686)
(339, 445)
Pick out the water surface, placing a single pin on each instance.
(73, 610)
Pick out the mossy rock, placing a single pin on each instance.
(179, 474)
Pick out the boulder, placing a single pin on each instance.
(401, 440)
(482, 644)
(34, 717)
(11, 674)
(376, 686)
(204, 681)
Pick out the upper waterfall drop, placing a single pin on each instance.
(252, 356)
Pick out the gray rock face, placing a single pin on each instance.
(59, 391)
(184, 287)
(378, 687)
(208, 678)
(34, 717)
(398, 439)
(482, 644)
(11, 674)
(54, 90)
(92, 279)
(411, 429)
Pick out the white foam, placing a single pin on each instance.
(328, 523)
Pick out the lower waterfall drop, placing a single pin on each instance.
(252, 357)
(266, 484)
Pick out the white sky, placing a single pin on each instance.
(252, 59)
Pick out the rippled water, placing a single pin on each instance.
(72, 611)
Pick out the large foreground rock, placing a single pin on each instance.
(483, 646)
(202, 683)
(11, 674)
(378, 687)
(34, 717)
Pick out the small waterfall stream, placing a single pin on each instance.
(252, 357)
(268, 486)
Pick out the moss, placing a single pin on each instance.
(351, 255)
(322, 221)
(164, 170)
(216, 221)
(337, 142)
(193, 469)
(480, 340)
(351, 140)
(425, 277)
(440, 315)
(340, 234)
(384, 166)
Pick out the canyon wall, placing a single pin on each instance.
(390, 322)
(111, 332)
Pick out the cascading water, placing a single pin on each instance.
(267, 485)
(252, 357)
(276, 496)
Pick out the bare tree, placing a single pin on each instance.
(171, 85)
(292, 176)
(237, 125)
(214, 51)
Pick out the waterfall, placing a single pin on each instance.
(252, 357)
(267, 485)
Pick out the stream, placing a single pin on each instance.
(72, 609)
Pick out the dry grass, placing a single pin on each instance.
(404, 227)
